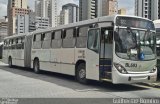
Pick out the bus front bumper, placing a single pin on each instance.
(119, 78)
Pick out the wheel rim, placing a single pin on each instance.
(82, 74)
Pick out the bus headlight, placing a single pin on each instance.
(153, 70)
(120, 68)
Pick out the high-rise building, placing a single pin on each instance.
(52, 13)
(64, 17)
(16, 7)
(69, 13)
(22, 24)
(3, 28)
(147, 9)
(41, 8)
(89, 9)
(107, 7)
(122, 11)
(47, 9)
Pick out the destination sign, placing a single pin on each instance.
(135, 23)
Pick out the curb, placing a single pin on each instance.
(155, 85)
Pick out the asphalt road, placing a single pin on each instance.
(23, 83)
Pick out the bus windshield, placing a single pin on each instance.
(134, 44)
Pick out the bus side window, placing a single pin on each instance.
(74, 33)
(22, 43)
(14, 44)
(63, 34)
(37, 43)
(4, 45)
(57, 41)
(46, 44)
(34, 39)
(43, 36)
(82, 37)
(53, 35)
(69, 40)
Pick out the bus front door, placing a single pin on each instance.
(106, 53)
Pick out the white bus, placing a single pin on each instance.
(120, 49)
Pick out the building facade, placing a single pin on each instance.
(52, 13)
(122, 11)
(147, 9)
(3, 29)
(107, 7)
(47, 9)
(69, 14)
(41, 23)
(22, 24)
(64, 17)
(15, 7)
(89, 9)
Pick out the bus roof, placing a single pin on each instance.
(81, 23)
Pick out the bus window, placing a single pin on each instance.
(82, 37)
(53, 35)
(57, 41)
(22, 41)
(37, 41)
(46, 44)
(69, 40)
(18, 43)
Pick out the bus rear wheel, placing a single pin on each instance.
(10, 62)
(36, 66)
(81, 73)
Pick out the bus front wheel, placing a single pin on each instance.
(81, 73)
(36, 66)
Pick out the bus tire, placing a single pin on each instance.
(36, 66)
(10, 62)
(81, 73)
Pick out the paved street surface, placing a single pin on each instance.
(23, 83)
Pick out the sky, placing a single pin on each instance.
(128, 4)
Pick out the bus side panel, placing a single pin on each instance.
(68, 61)
(5, 56)
(44, 57)
(19, 57)
(53, 64)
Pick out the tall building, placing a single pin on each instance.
(22, 24)
(15, 7)
(41, 8)
(122, 11)
(52, 13)
(3, 28)
(64, 17)
(89, 9)
(69, 13)
(107, 7)
(47, 9)
(147, 9)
